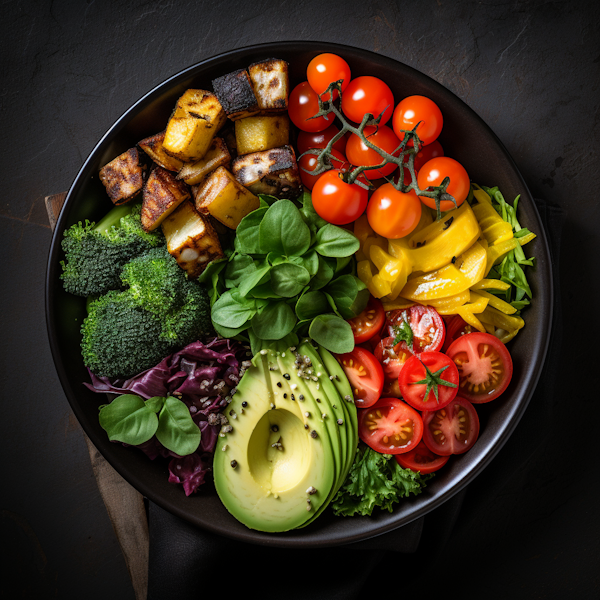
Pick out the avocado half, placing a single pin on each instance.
(293, 439)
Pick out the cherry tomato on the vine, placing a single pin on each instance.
(309, 161)
(426, 153)
(434, 171)
(320, 139)
(422, 110)
(368, 94)
(303, 103)
(359, 153)
(336, 201)
(325, 69)
(392, 213)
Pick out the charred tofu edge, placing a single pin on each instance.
(123, 177)
(162, 194)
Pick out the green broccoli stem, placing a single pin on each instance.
(113, 217)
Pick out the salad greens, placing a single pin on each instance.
(510, 270)
(375, 480)
(290, 272)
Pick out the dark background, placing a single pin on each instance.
(529, 525)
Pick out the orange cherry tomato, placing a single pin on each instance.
(426, 153)
(392, 213)
(325, 69)
(422, 110)
(336, 201)
(433, 172)
(368, 94)
(303, 104)
(359, 153)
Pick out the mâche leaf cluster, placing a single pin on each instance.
(289, 272)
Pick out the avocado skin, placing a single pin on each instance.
(311, 457)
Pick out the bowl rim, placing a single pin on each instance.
(494, 446)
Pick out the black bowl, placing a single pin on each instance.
(465, 137)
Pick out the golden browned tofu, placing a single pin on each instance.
(153, 147)
(197, 118)
(225, 199)
(236, 94)
(216, 156)
(271, 85)
(163, 193)
(191, 239)
(273, 172)
(255, 134)
(123, 177)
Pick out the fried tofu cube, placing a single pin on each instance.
(163, 193)
(236, 94)
(216, 156)
(123, 177)
(153, 147)
(255, 134)
(191, 239)
(273, 172)
(197, 118)
(225, 199)
(271, 85)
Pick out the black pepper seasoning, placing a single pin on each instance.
(233, 464)
(286, 376)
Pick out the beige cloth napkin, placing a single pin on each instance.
(125, 505)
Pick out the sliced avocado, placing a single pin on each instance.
(276, 467)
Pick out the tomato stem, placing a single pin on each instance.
(324, 155)
(433, 380)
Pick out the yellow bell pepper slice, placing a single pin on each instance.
(525, 239)
(496, 253)
(500, 320)
(397, 304)
(448, 306)
(450, 280)
(493, 227)
(498, 303)
(491, 284)
(362, 229)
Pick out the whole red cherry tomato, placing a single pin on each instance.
(426, 153)
(368, 94)
(337, 201)
(359, 153)
(325, 69)
(392, 213)
(320, 139)
(421, 110)
(433, 172)
(303, 104)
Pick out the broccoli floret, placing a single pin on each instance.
(120, 338)
(95, 253)
(162, 287)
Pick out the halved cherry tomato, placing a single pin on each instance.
(325, 69)
(390, 426)
(364, 374)
(445, 381)
(422, 110)
(392, 213)
(309, 162)
(421, 459)
(434, 171)
(359, 153)
(426, 153)
(456, 327)
(336, 201)
(320, 139)
(368, 94)
(303, 104)
(426, 323)
(370, 321)
(452, 429)
(392, 357)
(484, 366)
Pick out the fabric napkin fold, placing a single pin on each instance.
(185, 561)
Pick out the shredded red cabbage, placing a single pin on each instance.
(201, 375)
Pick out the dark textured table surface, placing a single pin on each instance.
(531, 70)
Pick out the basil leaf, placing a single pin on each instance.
(155, 403)
(127, 419)
(309, 214)
(247, 232)
(275, 321)
(336, 242)
(238, 269)
(333, 333)
(267, 199)
(310, 305)
(350, 295)
(323, 275)
(176, 429)
(228, 312)
(288, 279)
(214, 266)
(259, 276)
(283, 231)
(228, 332)
(264, 291)
(310, 262)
